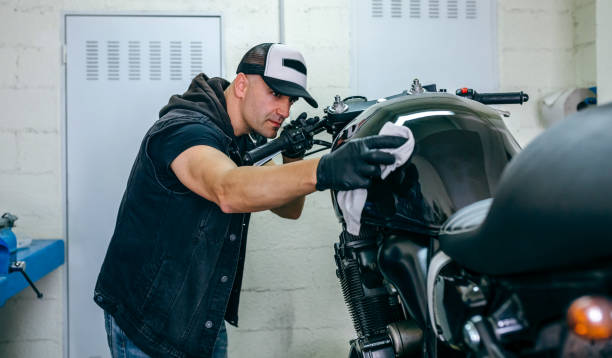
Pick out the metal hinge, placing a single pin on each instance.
(64, 54)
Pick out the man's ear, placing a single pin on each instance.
(241, 85)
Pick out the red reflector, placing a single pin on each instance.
(464, 90)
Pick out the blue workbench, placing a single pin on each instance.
(41, 257)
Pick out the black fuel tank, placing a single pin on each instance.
(461, 148)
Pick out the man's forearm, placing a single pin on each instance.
(293, 209)
(248, 189)
(211, 174)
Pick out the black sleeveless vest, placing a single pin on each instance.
(173, 269)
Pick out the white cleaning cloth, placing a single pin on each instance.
(351, 202)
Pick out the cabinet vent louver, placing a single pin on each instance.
(134, 60)
(91, 60)
(415, 9)
(396, 8)
(452, 9)
(155, 60)
(470, 9)
(377, 8)
(196, 57)
(176, 61)
(434, 9)
(112, 60)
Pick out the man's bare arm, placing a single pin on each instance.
(293, 209)
(213, 175)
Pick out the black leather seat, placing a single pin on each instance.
(552, 208)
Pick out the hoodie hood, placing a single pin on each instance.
(204, 95)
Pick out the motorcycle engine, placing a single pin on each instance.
(372, 303)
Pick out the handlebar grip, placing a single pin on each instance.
(494, 98)
(503, 98)
(266, 150)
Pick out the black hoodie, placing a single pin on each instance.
(204, 95)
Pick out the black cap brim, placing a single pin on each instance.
(289, 89)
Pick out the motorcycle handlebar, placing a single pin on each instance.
(311, 126)
(267, 150)
(308, 128)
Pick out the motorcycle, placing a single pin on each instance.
(473, 247)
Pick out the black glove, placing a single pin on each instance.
(298, 139)
(300, 143)
(354, 164)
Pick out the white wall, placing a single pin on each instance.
(604, 50)
(291, 304)
(30, 173)
(544, 46)
(584, 43)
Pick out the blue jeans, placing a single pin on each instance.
(121, 346)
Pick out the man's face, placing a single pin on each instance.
(265, 110)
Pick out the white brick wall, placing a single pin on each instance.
(30, 176)
(33, 327)
(584, 42)
(604, 50)
(291, 304)
(291, 298)
(535, 55)
(544, 46)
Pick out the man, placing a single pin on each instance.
(173, 269)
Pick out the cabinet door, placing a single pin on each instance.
(451, 43)
(120, 71)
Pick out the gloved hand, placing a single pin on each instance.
(300, 141)
(354, 164)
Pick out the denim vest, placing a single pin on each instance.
(173, 268)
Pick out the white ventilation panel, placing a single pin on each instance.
(120, 71)
(448, 42)
(143, 57)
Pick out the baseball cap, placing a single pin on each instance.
(281, 67)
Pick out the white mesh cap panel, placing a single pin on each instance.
(276, 69)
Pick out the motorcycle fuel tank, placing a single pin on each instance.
(461, 148)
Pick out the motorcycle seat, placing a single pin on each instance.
(552, 208)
